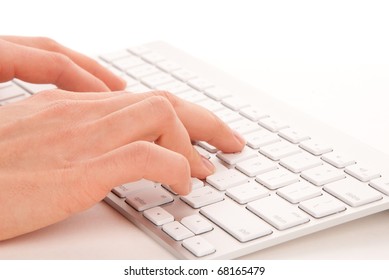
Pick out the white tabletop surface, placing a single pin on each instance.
(328, 60)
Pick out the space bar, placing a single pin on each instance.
(236, 220)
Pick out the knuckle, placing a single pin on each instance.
(49, 43)
(162, 109)
(140, 153)
(173, 100)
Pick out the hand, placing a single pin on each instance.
(44, 61)
(61, 152)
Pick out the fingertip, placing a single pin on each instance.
(241, 140)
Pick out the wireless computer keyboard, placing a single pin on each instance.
(295, 176)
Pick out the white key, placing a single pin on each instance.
(211, 105)
(202, 196)
(381, 184)
(127, 62)
(184, 75)
(11, 92)
(139, 50)
(202, 152)
(133, 187)
(353, 192)
(168, 188)
(293, 135)
(217, 93)
(177, 231)
(272, 124)
(261, 138)
(153, 57)
(6, 84)
(197, 224)
(196, 183)
(247, 192)
(198, 246)
(234, 103)
(130, 81)
(158, 216)
(228, 116)
(233, 158)
(168, 65)
(192, 96)
(142, 71)
(322, 206)
(156, 80)
(34, 88)
(109, 57)
(200, 84)
(15, 99)
(207, 146)
(300, 162)
(244, 126)
(227, 179)
(149, 198)
(278, 212)
(299, 191)
(252, 113)
(219, 166)
(279, 150)
(175, 87)
(277, 178)
(139, 88)
(255, 166)
(236, 220)
(362, 173)
(322, 175)
(338, 160)
(315, 148)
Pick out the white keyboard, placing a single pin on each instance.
(295, 176)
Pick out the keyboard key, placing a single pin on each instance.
(141, 71)
(338, 160)
(158, 216)
(175, 87)
(15, 99)
(244, 126)
(109, 57)
(253, 113)
(198, 246)
(200, 84)
(247, 192)
(177, 231)
(149, 198)
(207, 146)
(211, 105)
(192, 96)
(127, 62)
(261, 138)
(300, 162)
(156, 80)
(299, 191)
(202, 152)
(353, 192)
(293, 135)
(237, 221)
(362, 173)
(196, 183)
(279, 150)
(183, 75)
(228, 116)
(255, 166)
(277, 178)
(381, 184)
(233, 158)
(272, 124)
(197, 224)
(217, 93)
(322, 206)
(11, 91)
(202, 197)
(322, 175)
(34, 88)
(315, 148)
(139, 88)
(153, 57)
(234, 103)
(139, 50)
(168, 65)
(133, 187)
(278, 212)
(227, 179)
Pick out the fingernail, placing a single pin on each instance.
(207, 164)
(239, 137)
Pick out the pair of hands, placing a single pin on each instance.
(63, 151)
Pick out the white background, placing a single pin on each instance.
(329, 59)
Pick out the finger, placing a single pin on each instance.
(154, 120)
(93, 67)
(135, 161)
(39, 66)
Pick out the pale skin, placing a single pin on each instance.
(62, 151)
